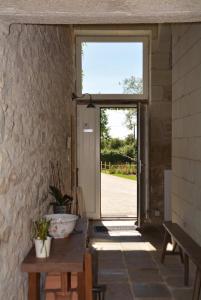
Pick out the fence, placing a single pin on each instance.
(125, 168)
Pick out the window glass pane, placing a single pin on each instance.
(112, 67)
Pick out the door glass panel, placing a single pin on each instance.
(112, 67)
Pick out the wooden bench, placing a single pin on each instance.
(190, 249)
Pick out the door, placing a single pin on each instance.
(143, 173)
(88, 158)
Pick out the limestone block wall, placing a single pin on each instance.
(36, 79)
(186, 114)
(160, 118)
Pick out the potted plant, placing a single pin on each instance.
(41, 238)
(62, 203)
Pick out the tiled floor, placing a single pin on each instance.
(129, 264)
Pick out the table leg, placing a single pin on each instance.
(88, 276)
(85, 284)
(81, 286)
(34, 286)
(69, 281)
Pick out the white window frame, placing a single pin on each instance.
(112, 36)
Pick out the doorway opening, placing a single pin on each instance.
(118, 162)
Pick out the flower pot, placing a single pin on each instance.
(43, 247)
(61, 225)
(61, 209)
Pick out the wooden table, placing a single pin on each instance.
(66, 255)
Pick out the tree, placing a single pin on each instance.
(133, 85)
(116, 143)
(130, 122)
(104, 126)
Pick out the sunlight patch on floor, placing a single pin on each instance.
(118, 223)
(132, 246)
(123, 233)
(107, 246)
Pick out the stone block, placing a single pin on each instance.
(189, 38)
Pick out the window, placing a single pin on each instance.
(112, 67)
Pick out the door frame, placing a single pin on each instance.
(143, 163)
(118, 105)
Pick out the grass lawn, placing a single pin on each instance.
(131, 177)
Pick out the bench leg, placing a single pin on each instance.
(186, 269)
(165, 242)
(181, 255)
(197, 285)
(174, 247)
(34, 286)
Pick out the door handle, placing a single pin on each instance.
(140, 166)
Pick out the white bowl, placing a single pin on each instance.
(61, 224)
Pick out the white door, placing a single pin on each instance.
(88, 158)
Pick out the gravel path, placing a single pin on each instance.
(118, 196)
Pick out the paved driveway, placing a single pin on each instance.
(118, 196)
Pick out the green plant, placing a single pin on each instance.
(60, 199)
(40, 229)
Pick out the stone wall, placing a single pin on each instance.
(36, 81)
(186, 114)
(160, 118)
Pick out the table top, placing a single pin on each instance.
(66, 255)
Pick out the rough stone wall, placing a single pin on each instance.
(160, 118)
(186, 135)
(36, 74)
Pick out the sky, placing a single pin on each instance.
(106, 64)
(116, 123)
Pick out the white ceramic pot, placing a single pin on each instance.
(61, 224)
(43, 247)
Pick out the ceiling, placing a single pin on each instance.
(100, 11)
